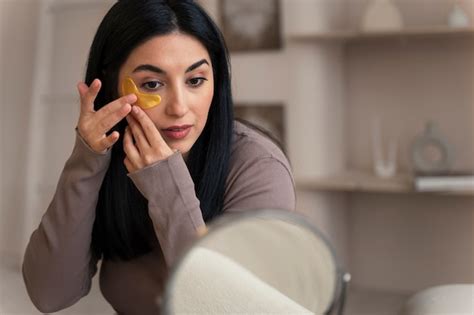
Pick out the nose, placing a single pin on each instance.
(176, 104)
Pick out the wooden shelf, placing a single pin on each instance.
(358, 181)
(363, 181)
(326, 36)
(352, 36)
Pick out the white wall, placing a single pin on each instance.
(61, 63)
(19, 39)
(17, 45)
(406, 243)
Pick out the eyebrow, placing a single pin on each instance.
(152, 68)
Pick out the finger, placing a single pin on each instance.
(138, 134)
(116, 105)
(106, 123)
(107, 142)
(115, 111)
(89, 94)
(152, 134)
(130, 149)
(129, 146)
(128, 165)
(82, 89)
(112, 113)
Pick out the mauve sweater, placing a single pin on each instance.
(58, 265)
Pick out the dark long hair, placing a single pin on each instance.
(123, 229)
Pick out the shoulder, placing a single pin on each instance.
(259, 173)
(250, 145)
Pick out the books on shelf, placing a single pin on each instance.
(449, 181)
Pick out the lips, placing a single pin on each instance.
(177, 132)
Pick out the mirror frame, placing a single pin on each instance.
(292, 217)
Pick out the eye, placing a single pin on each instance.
(152, 85)
(195, 82)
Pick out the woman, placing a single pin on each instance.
(141, 184)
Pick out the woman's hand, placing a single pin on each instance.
(93, 125)
(149, 146)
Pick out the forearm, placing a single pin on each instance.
(173, 205)
(58, 266)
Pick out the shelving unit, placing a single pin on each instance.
(363, 181)
(355, 181)
(387, 232)
(408, 33)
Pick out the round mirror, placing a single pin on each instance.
(267, 261)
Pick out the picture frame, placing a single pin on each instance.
(268, 117)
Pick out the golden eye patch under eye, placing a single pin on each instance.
(144, 100)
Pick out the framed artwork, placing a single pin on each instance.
(251, 24)
(269, 117)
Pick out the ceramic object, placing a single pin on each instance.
(430, 152)
(458, 17)
(382, 15)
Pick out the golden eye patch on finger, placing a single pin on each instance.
(144, 100)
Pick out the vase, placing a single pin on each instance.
(382, 15)
(458, 17)
(384, 151)
(431, 153)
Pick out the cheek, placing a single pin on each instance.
(206, 102)
(154, 114)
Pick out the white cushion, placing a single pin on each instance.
(453, 299)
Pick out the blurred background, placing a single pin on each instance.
(349, 87)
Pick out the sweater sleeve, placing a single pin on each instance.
(58, 264)
(172, 204)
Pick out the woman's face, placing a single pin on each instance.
(178, 68)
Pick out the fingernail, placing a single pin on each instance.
(95, 83)
(135, 109)
(131, 98)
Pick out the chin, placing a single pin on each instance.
(184, 149)
(182, 146)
